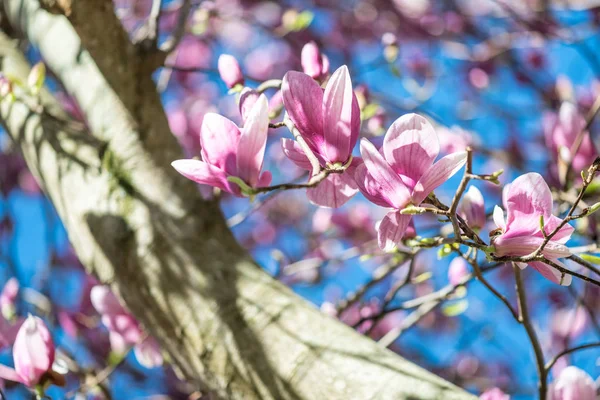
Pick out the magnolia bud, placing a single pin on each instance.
(472, 208)
(33, 351)
(230, 71)
(314, 64)
(457, 270)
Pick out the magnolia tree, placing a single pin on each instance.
(423, 172)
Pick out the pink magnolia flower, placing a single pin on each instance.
(472, 208)
(314, 64)
(573, 384)
(457, 270)
(329, 122)
(230, 70)
(33, 353)
(561, 131)
(8, 297)
(494, 394)
(124, 330)
(526, 199)
(403, 172)
(228, 151)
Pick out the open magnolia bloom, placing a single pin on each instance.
(403, 172)
(231, 154)
(329, 123)
(527, 199)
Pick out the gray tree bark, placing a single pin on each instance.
(136, 224)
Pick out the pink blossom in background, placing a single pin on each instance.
(124, 330)
(8, 331)
(314, 64)
(329, 122)
(494, 394)
(230, 71)
(569, 323)
(33, 353)
(403, 172)
(458, 270)
(8, 297)
(526, 199)
(572, 384)
(561, 131)
(228, 151)
(472, 208)
(453, 139)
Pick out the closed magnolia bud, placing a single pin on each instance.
(314, 64)
(457, 270)
(33, 351)
(230, 71)
(472, 208)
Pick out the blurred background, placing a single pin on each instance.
(492, 74)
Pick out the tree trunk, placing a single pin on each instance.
(136, 224)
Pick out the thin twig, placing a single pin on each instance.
(525, 320)
(171, 44)
(553, 361)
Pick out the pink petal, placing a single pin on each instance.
(563, 235)
(265, 179)
(9, 374)
(148, 353)
(311, 60)
(230, 71)
(203, 173)
(529, 194)
(248, 98)
(341, 121)
(253, 141)
(390, 185)
(410, 146)
(369, 187)
(551, 273)
(303, 101)
(334, 191)
(391, 229)
(219, 138)
(525, 245)
(499, 218)
(293, 151)
(437, 174)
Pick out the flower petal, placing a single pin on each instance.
(334, 191)
(552, 273)
(529, 194)
(410, 146)
(293, 151)
(391, 229)
(303, 101)
(251, 147)
(9, 374)
(340, 111)
(390, 186)
(563, 235)
(369, 187)
(499, 218)
(525, 245)
(203, 173)
(437, 174)
(148, 353)
(219, 138)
